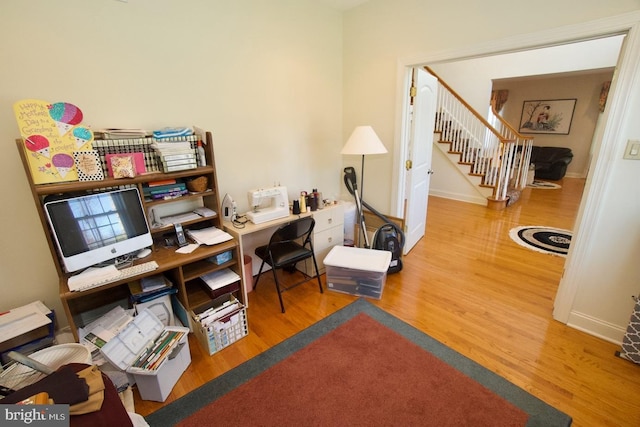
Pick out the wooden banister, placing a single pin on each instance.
(498, 153)
(467, 106)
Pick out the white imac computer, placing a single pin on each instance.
(95, 228)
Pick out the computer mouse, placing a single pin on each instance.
(143, 253)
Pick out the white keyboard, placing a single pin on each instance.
(93, 277)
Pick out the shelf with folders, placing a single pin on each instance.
(175, 266)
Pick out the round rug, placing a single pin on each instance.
(542, 239)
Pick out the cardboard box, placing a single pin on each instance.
(155, 362)
(357, 271)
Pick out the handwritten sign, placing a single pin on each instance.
(51, 133)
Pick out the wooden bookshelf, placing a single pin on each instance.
(181, 269)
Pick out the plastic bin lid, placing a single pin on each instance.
(123, 349)
(358, 258)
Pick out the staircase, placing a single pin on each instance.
(493, 156)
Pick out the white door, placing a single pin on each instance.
(418, 164)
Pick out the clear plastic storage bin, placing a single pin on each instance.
(357, 271)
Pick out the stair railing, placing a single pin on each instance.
(492, 155)
(523, 147)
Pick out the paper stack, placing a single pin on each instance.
(209, 236)
(220, 278)
(99, 332)
(153, 283)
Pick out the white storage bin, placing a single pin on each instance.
(357, 271)
(141, 337)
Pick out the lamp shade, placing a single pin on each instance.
(363, 141)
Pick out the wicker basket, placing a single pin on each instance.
(198, 185)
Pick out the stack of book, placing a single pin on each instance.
(164, 190)
(175, 156)
(150, 288)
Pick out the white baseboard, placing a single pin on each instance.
(478, 200)
(596, 327)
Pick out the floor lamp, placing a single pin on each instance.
(363, 141)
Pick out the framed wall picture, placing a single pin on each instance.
(547, 116)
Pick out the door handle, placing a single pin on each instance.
(430, 172)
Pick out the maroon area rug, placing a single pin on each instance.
(357, 371)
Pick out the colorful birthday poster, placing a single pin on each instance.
(51, 133)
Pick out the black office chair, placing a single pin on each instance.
(284, 251)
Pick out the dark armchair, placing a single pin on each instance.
(551, 162)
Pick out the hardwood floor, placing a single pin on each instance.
(468, 285)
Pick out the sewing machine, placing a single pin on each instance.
(267, 204)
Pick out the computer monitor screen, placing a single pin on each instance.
(91, 229)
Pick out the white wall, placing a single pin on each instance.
(602, 272)
(584, 87)
(452, 181)
(264, 77)
(476, 87)
(380, 36)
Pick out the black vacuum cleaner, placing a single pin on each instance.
(388, 237)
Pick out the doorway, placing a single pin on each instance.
(476, 87)
(598, 175)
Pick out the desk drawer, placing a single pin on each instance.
(330, 216)
(323, 241)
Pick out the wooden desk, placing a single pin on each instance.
(328, 232)
(253, 235)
